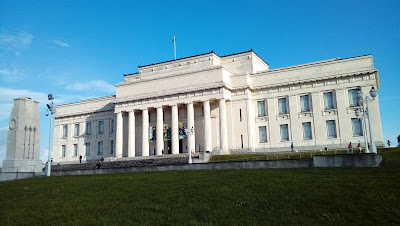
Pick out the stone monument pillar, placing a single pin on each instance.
(23, 140)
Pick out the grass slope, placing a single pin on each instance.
(329, 196)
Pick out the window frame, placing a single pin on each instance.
(88, 131)
(354, 91)
(327, 129)
(100, 149)
(332, 100)
(65, 130)
(75, 153)
(63, 151)
(286, 106)
(287, 131)
(101, 128)
(360, 125)
(87, 149)
(259, 134)
(304, 134)
(263, 108)
(76, 129)
(308, 102)
(111, 147)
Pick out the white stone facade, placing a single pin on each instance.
(234, 103)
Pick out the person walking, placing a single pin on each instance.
(350, 147)
(80, 159)
(388, 143)
(398, 141)
(291, 146)
(359, 148)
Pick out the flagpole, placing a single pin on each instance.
(174, 47)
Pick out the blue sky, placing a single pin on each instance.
(81, 49)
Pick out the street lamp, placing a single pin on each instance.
(189, 132)
(373, 93)
(50, 108)
(358, 114)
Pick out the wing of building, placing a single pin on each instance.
(222, 105)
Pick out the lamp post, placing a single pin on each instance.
(373, 93)
(50, 108)
(358, 114)
(189, 132)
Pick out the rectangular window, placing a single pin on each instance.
(241, 138)
(353, 99)
(328, 101)
(240, 114)
(75, 149)
(261, 108)
(88, 128)
(262, 130)
(112, 147)
(87, 145)
(101, 127)
(111, 125)
(65, 130)
(76, 131)
(331, 128)
(282, 106)
(357, 127)
(100, 148)
(63, 150)
(284, 132)
(307, 134)
(305, 103)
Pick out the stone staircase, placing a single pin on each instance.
(122, 164)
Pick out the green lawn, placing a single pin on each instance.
(318, 196)
(273, 156)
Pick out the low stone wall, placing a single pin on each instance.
(355, 160)
(299, 163)
(16, 176)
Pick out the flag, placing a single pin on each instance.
(173, 40)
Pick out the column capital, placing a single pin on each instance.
(171, 105)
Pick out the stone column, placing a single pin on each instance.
(131, 135)
(344, 130)
(190, 124)
(159, 133)
(223, 126)
(318, 120)
(119, 135)
(207, 126)
(250, 123)
(174, 129)
(296, 127)
(145, 132)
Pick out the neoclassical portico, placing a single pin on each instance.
(160, 109)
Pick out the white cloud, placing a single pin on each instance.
(16, 41)
(11, 73)
(94, 85)
(61, 43)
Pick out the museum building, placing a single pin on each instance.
(221, 104)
